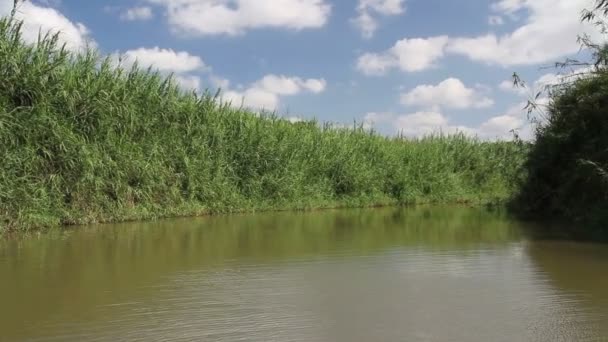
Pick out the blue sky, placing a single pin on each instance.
(414, 66)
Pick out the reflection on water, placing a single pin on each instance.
(414, 274)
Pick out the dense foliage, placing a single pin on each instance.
(567, 168)
(82, 141)
(566, 173)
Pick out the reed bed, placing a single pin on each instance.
(82, 141)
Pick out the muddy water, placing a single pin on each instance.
(414, 274)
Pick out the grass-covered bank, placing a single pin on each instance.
(81, 142)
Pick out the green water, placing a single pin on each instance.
(414, 274)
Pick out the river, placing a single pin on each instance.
(393, 274)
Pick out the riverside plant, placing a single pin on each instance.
(565, 175)
(84, 141)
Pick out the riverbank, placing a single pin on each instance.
(84, 142)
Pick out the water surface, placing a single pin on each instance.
(409, 274)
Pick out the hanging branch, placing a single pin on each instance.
(599, 60)
(15, 5)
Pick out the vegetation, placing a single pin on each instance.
(567, 167)
(82, 141)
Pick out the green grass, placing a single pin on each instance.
(83, 142)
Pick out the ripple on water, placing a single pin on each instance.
(372, 280)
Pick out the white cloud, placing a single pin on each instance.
(552, 79)
(266, 93)
(509, 87)
(509, 6)
(506, 85)
(522, 89)
(164, 60)
(502, 126)
(38, 19)
(407, 55)
(416, 124)
(495, 20)
(137, 13)
(219, 82)
(315, 85)
(188, 82)
(545, 81)
(384, 7)
(282, 85)
(423, 123)
(450, 93)
(548, 79)
(294, 119)
(185, 66)
(254, 98)
(365, 21)
(550, 31)
(372, 119)
(233, 17)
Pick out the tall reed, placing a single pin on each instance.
(82, 141)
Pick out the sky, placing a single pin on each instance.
(399, 66)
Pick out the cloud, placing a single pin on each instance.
(38, 19)
(262, 94)
(495, 20)
(234, 17)
(423, 123)
(407, 55)
(266, 93)
(283, 85)
(545, 82)
(185, 66)
(137, 13)
(416, 124)
(371, 119)
(315, 85)
(502, 126)
(365, 21)
(552, 79)
(509, 87)
(188, 82)
(219, 82)
(450, 93)
(294, 119)
(253, 98)
(509, 6)
(549, 32)
(164, 60)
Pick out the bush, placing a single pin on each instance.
(567, 169)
